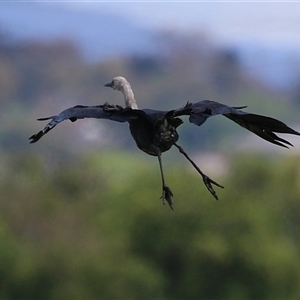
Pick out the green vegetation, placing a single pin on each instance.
(96, 229)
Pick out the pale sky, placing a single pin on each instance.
(268, 21)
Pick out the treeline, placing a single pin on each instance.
(30, 71)
(98, 230)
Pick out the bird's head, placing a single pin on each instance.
(117, 83)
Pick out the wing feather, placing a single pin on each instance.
(262, 126)
(106, 111)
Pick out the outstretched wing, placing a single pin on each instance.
(260, 125)
(106, 111)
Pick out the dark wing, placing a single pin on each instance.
(260, 125)
(106, 111)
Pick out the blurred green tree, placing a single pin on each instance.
(96, 229)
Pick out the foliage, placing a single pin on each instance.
(96, 229)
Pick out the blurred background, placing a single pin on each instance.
(80, 214)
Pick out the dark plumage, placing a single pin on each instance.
(155, 132)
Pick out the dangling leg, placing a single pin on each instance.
(207, 181)
(167, 193)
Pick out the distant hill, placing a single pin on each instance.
(102, 35)
(98, 35)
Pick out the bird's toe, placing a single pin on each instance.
(167, 195)
(208, 183)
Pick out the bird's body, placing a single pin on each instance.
(154, 131)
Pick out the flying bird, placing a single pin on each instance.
(154, 131)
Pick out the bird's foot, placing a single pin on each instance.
(110, 107)
(208, 183)
(167, 195)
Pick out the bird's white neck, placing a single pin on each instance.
(129, 96)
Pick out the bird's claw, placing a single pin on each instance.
(167, 195)
(208, 183)
(109, 107)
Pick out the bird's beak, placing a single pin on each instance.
(110, 84)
